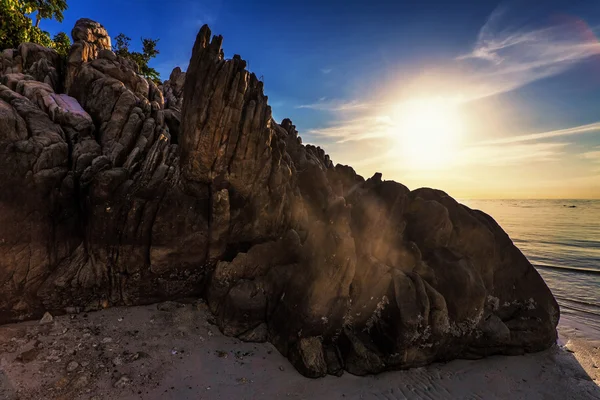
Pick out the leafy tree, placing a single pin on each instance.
(16, 27)
(149, 51)
(62, 43)
(48, 9)
(36, 35)
(121, 45)
(14, 24)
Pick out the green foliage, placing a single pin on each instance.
(149, 51)
(36, 35)
(16, 27)
(47, 9)
(62, 43)
(121, 45)
(14, 24)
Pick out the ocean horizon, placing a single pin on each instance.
(561, 238)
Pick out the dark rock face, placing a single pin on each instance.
(120, 192)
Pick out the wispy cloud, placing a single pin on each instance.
(592, 156)
(503, 58)
(340, 105)
(356, 129)
(506, 57)
(510, 154)
(577, 130)
(326, 70)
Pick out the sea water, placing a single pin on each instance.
(561, 238)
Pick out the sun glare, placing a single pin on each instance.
(427, 132)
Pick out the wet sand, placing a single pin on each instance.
(175, 353)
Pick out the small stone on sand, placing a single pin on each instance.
(122, 382)
(72, 366)
(46, 319)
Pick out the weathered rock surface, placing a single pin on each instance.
(121, 192)
(42, 63)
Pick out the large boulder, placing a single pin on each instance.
(123, 192)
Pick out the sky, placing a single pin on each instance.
(481, 98)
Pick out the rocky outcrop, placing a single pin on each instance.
(116, 191)
(89, 39)
(172, 90)
(41, 63)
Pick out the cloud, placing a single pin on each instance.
(326, 70)
(356, 129)
(510, 154)
(516, 150)
(340, 105)
(506, 57)
(577, 130)
(592, 156)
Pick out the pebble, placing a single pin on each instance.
(46, 319)
(122, 382)
(72, 366)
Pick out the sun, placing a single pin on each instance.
(427, 132)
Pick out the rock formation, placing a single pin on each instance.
(116, 191)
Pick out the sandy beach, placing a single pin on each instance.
(172, 351)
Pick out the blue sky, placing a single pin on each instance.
(431, 93)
